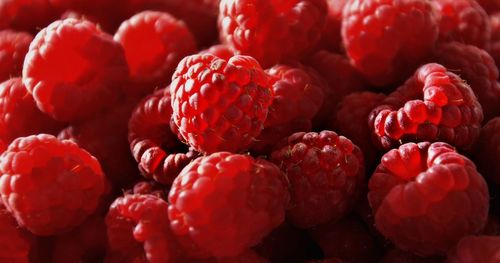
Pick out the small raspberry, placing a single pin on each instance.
(399, 256)
(138, 229)
(154, 43)
(26, 15)
(13, 49)
(15, 242)
(74, 70)
(386, 40)
(433, 105)
(427, 196)
(332, 38)
(49, 185)
(149, 188)
(326, 172)
(488, 150)
(19, 115)
(222, 204)
(220, 105)
(475, 249)
(464, 21)
(220, 51)
(272, 31)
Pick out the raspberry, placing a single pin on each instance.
(15, 242)
(488, 149)
(149, 188)
(332, 39)
(222, 204)
(26, 15)
(220, 51)
(13, 48)
(433, 105)
(475, 66)
(398, 256)
(72, 64)
(49, 185)
(326, 172)
(138, 229)
(272, 31)
(386, 40)
(464, 21)
(19, 114)
(154, 43)
(220, 105)
(154, 146)
(427, 196)
(490, 6)
(476, 249)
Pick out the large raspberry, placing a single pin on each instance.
(26, 15)
(272, 31)
(433, 105)
(464, 21)
(427, 196)
(326, 173)
(49, 185)
(15, 242)
(220, 105)
(13, 48)
(74, 70)
(224, 203)
(473, 249)
(488, 150)
(388, 39)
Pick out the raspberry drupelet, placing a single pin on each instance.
(426, 197)
(475, 249)
(220, 105)
(13, 48)
(74, 70)
(16, 243)
(49, 186)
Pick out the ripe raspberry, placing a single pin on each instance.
(488, 149)
(398, 256)
(220, 105)
(490, 6)
(71, 65)
(19, 115)
(326, 172)
(15, 242)
(332, 38)
(220, 51)
(272, 31)
(149, 188)
(427, 196)
(138, 229)
(154, 146)
(26, 15)
(49, 185)
(475, 249)
(13, 48)
(154, 43)
(222, 204)
(464, 21)
(433, 105)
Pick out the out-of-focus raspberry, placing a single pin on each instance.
(488, 150)
(473, 249)
(220, 105)
(427, 196)
(27, 15)
(464, 21)
(285, 243)
(149, 188)
(13, 47)
(386, 40)
(395, 255)
(326, 173)
(220, 50)
(49, 185)
(74, 70)
(15, 242)
(332, 38)
(272, 31)
(433, 105)
(490, 6)
(19, 115)
(222, 204)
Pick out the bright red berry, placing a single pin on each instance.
(16, 243)
(488, 149)
(13, 47)
(476, 249)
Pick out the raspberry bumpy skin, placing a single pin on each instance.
(220, 105)
(224, 203)
(74, 70)
(326, 174)
(16, 243)
(433, 105)
(476, 249)
(387, 39)
(13, 49)
(427, 196)
(488, 150)
(49, 185)
(272, 31)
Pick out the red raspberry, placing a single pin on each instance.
(49, 185)
(220, 51)
(154, 43)
(222, 204)
(272, 31)
(398, 256)
(154, 146)
(74, 70)
(15, 242)
(490, 6)
(326, 172)
(19, 115)
(138, 230)
(464, 21)
(427, 196)
(475, 66)
(386, 40)
(488, 150)
(26, 15)
(332, 39)
(149, 188)
(13, 47)
(433, 105)
(220, 105)
(475, 249)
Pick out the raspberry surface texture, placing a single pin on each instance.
(16, 243)
(427, 196)
(13, 48)
(476, 249)
(488, 150)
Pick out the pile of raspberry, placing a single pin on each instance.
(249, 131)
